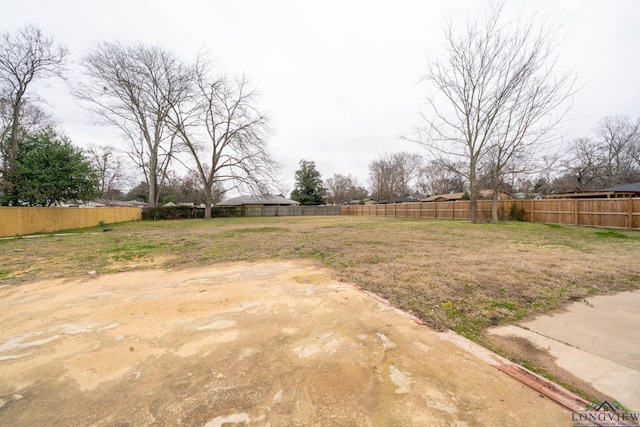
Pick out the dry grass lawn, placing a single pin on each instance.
(451, 274)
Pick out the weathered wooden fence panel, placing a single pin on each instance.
(292, 210)
(20, 221)
(609, 213)
(187, 212)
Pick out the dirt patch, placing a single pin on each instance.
(269, 343)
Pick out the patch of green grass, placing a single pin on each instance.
(4, 273)
(504, 304)
(611, 234)
(555, 226)
(257, 230)
(131, 250)
(261, 230)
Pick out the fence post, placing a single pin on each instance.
(532, 208)
(630, 212)
(575, 209)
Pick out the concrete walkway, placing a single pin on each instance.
(595, 340)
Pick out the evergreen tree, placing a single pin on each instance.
(309, 189)
(50, 170)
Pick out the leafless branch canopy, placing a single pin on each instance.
(134, 88)
(222, 127)
(391, 176)
(609, 158)
(498, 98)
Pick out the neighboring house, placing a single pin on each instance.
(118, 203)
(278, 200)
(136, 203)
(171, 205)
(618, 191)
(403, 199)
(367, 201)
(482, 195)
(625, 190)
(444, 197)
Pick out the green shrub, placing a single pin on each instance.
(172, 212)
(516, 213)
(188, 212)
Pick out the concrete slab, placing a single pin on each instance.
(597, 341)
(262, 344)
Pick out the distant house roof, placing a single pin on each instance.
(402, 199)
(623, 190)
(130, 203)
(136, 203)
(444, 197)
(482, 194)
(632, 187)
(358, 201)
(278, 200)
(405, 199)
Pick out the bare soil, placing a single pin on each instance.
(263, 343)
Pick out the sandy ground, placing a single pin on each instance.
(265, 344)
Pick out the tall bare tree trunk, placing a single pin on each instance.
(208, 202)
(13, 151)
(494, 207)
(473, 191)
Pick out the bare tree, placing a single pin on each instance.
(543, 183)
(25, 56)
(392, 175)
(584, 170)
(609, 158)
(342, 187)
(110, 168)
(221, 126)
(435, 178)
(619, 139)
(500, 91)
(134, 88)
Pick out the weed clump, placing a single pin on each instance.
(516, 213)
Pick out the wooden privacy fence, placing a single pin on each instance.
(19, 221)
(291, 210)
(186, 212)
(610, 213)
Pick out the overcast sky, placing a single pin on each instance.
(339, 79)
